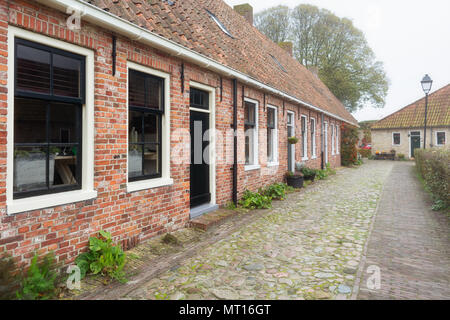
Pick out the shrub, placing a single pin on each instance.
(276, 191)
(434, 167)
(365, 153)
(401, 156)
(8, 280)
(39, 283)
(330, 171)
(308, 172)
(349, 153)
(254, 200)
(103, 258)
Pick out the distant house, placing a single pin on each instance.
(402, 131)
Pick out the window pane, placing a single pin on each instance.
(134, 160)
(199, 99)
(249, 112)
(135, 126)
(271, 118)
(249, 138)
(33, 69)
(270, 152)
(64, 160)
(29, 121)
(30, 169)
(155, 91)
(63, 123)
(441, 138)
(151, 159)
(136, 89)
(66, 76)
(396, 138)
(151, 131)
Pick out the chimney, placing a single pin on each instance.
(246, 11)
(314, 70)
(287, 46)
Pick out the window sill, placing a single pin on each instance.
(250, 167)
(148, 184)
(305, 158)
(313, 157)
(273, 164)
(49, 200)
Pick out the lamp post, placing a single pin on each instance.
(426, 86)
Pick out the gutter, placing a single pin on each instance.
(121, 26)
(235, 126)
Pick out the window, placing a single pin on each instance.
(49, 93)
(396, 138)
(304, 138)
(272, 156)
(145, 112)
(440, 138)
(337, 139)
(333, 145)
(251, 130)
(313, 137)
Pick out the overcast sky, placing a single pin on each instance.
(410, 37)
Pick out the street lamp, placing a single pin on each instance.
(426, 86)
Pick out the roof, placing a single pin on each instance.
(413, 115)
(188, 23)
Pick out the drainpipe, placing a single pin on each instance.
(235, 163)
(322, 142)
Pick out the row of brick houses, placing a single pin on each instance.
(97, 100)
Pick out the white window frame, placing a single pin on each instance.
(393, 143)
(291, 146)
(304, 137)
(165, 179)
(313, 139)
(333, 146)
(337, 138)
(445, 138)
(255, 165)
(274, 138)
(87, 191)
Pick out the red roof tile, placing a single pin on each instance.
(249, 51)
(413, 115)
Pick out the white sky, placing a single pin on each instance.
(411, 38)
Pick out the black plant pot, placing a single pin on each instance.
(310, 177)
(295, 181)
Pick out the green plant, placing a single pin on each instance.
(8, 280)
(292, 140)
(401, 156)
(103, 258)
(321, 174)
(39, 283)
(365, 153)
(308, 172)
(330, 171)
(230, 206)
(349, 153)
(433, 167)
(253, 200)
(276, 191)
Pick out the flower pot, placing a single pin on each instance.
(295, 181)
(310, 177)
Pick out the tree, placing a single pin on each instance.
(345, 62)
(274, 23)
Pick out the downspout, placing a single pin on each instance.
(322, 166)
(235, 127)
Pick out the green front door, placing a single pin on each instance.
(415, 142)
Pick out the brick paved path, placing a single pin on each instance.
(409, 242)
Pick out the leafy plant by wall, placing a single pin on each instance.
(365, 153)
(349, 153)
(254, 200)
(434, 167)
(8, 280)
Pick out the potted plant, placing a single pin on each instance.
(308, 173)
(292, 140)
(294, 180)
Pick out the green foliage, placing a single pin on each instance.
(39, 283)
(230, 206)
(433, 166)
(349, 153)
(8, 280)
(103, 258)
(365, 153)
(308, 172)
(330, 171)
(276, 191)
(401, 156)
(339, 50)
(292, 140)
(254, 200)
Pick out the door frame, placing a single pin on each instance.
(212, 136)
(410, 138)
(292, 146)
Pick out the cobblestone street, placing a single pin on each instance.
(309, 247)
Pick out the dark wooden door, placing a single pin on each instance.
(200, 191)
(415, 143)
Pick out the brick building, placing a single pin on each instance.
(403, 130)
(99, 100)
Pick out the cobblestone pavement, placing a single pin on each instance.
(410, 243)
(309, 247)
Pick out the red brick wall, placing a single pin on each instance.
(137, 215)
